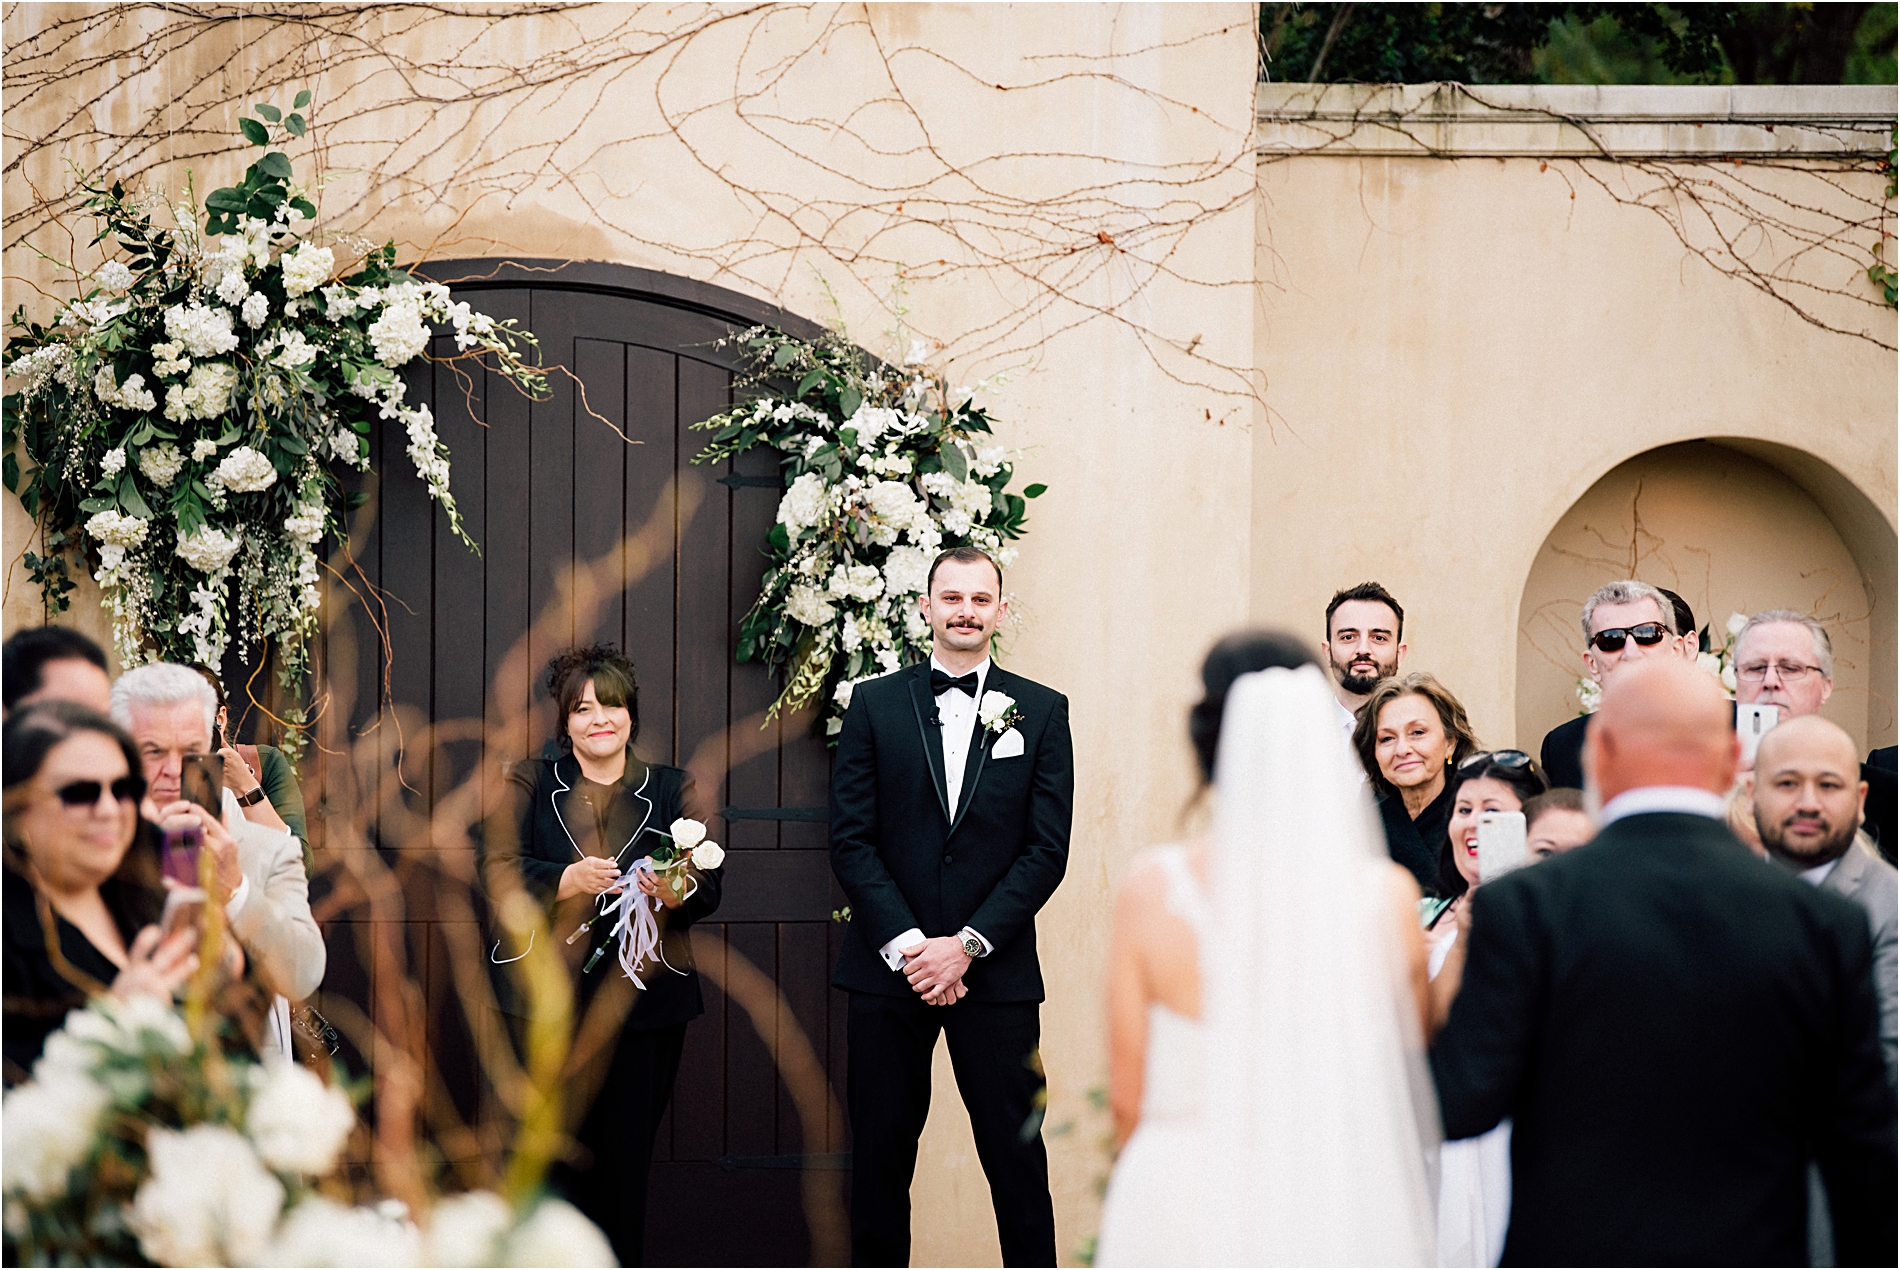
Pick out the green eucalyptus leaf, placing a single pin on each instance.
(955, 461)
(303, 99)
(142, 434)
(784, 357)
(267, 111)
(130, 500)
(254, 132)
(91, 505)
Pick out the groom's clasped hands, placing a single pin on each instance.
(935, 969)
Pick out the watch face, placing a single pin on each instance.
(971, 948)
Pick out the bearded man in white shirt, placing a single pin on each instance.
(951, 798)
(1365, 642)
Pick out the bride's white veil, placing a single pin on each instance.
(1322, 1125)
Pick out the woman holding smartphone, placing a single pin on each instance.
(1474, 1187)
(581, 822)
(82, 890)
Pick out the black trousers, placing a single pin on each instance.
(992, 1044)
(609, 1182)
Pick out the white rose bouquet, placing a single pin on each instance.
(883, 467)
(687, 846)
(184, 415)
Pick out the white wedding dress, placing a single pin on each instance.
(1295, 1124)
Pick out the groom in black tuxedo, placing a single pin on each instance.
(951, 796)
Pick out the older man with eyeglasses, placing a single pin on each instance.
(1623, 623)
(1784, 658)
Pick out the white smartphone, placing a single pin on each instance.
(1501, 843)
(1752, 723)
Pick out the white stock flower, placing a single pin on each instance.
(297, 1123)
(399, 335)
(207, 550)
(161, 464)
(112, 462)
(208, 1200)
(169, 359)
(807, 604)
(916, 629)
(131, 395)
(973, 499)
(989, 460)
(305, 525)
(203, 449)
(256, 308)
(233, 289)
(114, 275)
(870, 422)
(204, 331)
(465, 1229)
(42, 364)
(306, 269)
(46, 1129)
(687, 834)
(939, 483)
(322, 1232)
(556, 1234)
(856, 582)
(338, 301)
(245, 471)
(294, 350)
(205, 394)
(116, 529)
(887, 659)
(805, 504)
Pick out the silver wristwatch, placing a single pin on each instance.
(972, 946)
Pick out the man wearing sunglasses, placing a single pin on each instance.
(1623, 623)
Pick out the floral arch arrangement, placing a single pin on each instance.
(187, 410)
(883, 467)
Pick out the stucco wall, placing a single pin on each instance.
(1036, 146)
(1458, 348)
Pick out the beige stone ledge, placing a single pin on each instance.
(1574, 121)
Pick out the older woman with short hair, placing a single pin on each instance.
(1410, 733)
(82, 889)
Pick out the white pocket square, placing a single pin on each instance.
(1008, 745)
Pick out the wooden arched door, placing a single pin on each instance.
(543, 487)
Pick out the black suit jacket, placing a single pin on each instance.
(1883, 800)
(1676, 1028)
(904, 862)
(556, 826)
(1562, 755)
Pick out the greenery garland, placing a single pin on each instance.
(883, 467)
(188, 409)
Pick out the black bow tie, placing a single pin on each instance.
(941, 683)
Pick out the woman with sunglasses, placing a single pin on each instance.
(82, 889)
(1474, 1191)
(1410, 732)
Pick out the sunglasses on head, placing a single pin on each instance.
(77, 794)
(1649, 634)
(1509, 760)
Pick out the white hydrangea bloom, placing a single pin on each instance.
(161, 464)
(939, 484)
(974, 499)
(207, 550)
(117, 529)
(399, 335)
(465, 1229)
(46, 1130)
(807, 604)
(556, 1234)
(322, 1232)
(870, 422)
(112, 462)
(338, 301)
(805, 504)
(204, 331)
(255, 310)
(305, 525)
(114, 275)
(294, 350)
(233, 289)
(856, 582)
(208, 1200)
(905, 571)
(131, 395)
(297, 1123)
(894, 503)
(245, 471)
(306, 269)
(205, 394)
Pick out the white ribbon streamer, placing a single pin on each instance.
(636, 926)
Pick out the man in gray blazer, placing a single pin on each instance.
(1808, 807)
(170, 711)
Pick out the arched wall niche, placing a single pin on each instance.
(1732, 525)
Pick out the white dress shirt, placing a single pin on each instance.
(1347, 719)
(1687, 799)
(957, 711)
(1818, 874)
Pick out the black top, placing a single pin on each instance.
(905, 862)
(1675, 1029)
(563, 816)
(1883, 800)
(1414, 843)
(1562, 755)
(38, 991)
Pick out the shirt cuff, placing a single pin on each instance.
(235, 905)
(987, 947)
(895, 959)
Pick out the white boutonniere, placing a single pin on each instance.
(997, 712)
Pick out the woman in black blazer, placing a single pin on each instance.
(583, 820)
